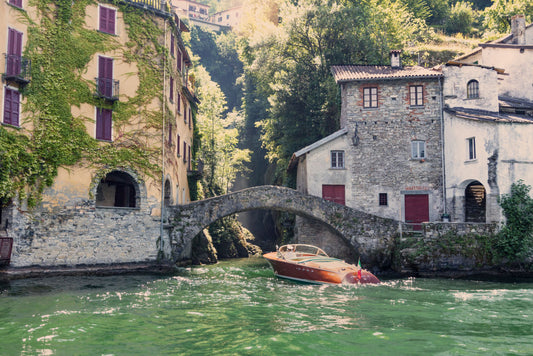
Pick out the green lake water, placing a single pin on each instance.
(239, 308)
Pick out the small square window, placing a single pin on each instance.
(370, 97)
(418, 149)
(337, 159)
(383, 199)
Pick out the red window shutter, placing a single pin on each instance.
(111, 21)
(104, 124)
(11, 107)
(416, 209)
(334, 193)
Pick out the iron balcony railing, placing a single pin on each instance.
(107, 88)
(160, 5)
(17, 68)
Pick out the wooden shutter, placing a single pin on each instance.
(17, 3)
(11, 107)
(104, 124)
(14, 52)
(105, 76)
(107, 20)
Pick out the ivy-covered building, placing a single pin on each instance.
(97, 129)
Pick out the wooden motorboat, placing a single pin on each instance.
(307, 263)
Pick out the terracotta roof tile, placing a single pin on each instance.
(363, 73)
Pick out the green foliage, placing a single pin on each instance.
(461, 18)
(498, 16)
(290, 65)
(515, 241)
(60, 48)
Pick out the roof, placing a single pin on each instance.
(516, 103)
(294, 159)
(489, 116)
(461, 64)
(349, 73)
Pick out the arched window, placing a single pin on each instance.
(472, 89)
(117, 189)
(168, 193)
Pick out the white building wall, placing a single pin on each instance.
(518, 64)
(455, 87)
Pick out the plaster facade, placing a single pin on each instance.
(80, 220)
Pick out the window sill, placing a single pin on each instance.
(470, 99)
(470, 161)
(417, 106)
(103, 140)
(116, 207)
(107, 33)
(12, 126)
(15, 6)
(337, 168)
(371, 108)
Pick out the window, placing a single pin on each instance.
(179, 102)
(172, 44)
(337, 159)
(471, 148)
(334, 193)
(370, 97)
(189, 167)
(17, 3)
(416, 95)
(184, 152)
(105, 76)
(170, 134)
(107, 20)
(14, 53)
(171, 94)
(418, 149)
(383, 199)
(190, 118)
(179, 60)
(472, 89)
(104, 124)
(11, 107)
(178, 143)
(184, 111)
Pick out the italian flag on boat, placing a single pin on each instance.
(359, 271)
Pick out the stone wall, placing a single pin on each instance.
(84, 235)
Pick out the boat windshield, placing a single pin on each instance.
(303, 249)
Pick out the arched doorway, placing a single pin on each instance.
(168, 193)
(117, 189)
(475, 202)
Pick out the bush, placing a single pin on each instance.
(515, 240)
(461, 18)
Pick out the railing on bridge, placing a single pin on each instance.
(6, 245)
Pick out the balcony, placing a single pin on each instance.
(17, 69)
(161, 6)
(107, 88)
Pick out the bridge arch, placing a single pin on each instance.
(372, 236)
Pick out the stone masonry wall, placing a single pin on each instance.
(381, 150)
(83, 235)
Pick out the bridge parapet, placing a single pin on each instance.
(370, 235)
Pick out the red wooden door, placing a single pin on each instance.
(416, 209)
(14, 52)
(334, 193)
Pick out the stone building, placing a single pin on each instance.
(488, 116)
(120, 73)
(387, 157)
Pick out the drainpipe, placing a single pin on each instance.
(163, 144)
(443, 146)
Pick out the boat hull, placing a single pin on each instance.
(309, 274)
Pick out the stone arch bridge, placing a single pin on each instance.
(371, 236)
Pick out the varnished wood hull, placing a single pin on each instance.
(304, 273)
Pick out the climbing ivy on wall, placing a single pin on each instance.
(60, 46)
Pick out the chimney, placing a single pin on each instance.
(518, 29)
(395, 61)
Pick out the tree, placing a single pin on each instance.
(498, 16)
(516, 237)
(461, 18)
